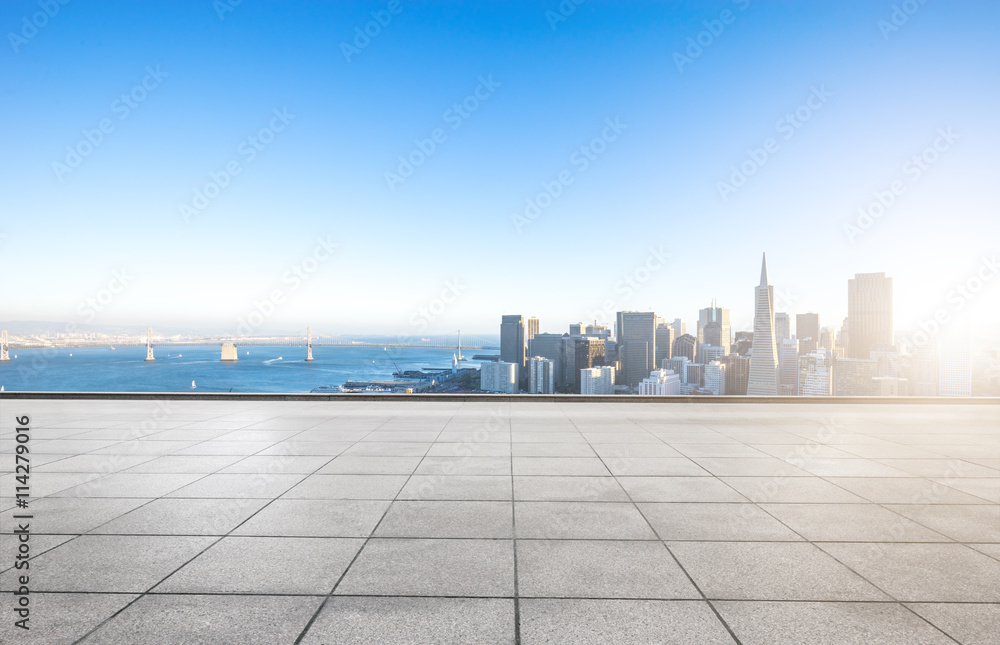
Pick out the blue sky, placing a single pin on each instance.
(887, 95)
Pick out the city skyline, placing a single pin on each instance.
(668, 129)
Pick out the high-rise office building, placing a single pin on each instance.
(853, 377)
(498, 376)
(577, 329)
(695, 375)
(550, 346)
(714, 328)
(869, 313)
(541, 375)
(600, 331)
(683, 346)
(737, 373)
(807, 332)
(954, 349)
(660, 383)
(782, 326)
(597, 380)
(636, 334)
(680, 328)
(708, 353)
(788, 366)
(764, 357)
(816, 373)
(664, 342)
(715, 377)
(678, 365)
(587, 352)
(512, 343)
(531, 326)
(827, 338)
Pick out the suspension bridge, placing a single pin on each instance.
(453, 340)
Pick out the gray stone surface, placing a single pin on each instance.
(418, 567)
(637, 622)
(601, 569)
(413, 621)
(828, 623)
(208, 620)
(801, 523)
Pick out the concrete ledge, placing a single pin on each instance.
(494, 398)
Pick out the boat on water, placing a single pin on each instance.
(193, 386)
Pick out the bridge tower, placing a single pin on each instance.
(309, 343)
(459, 357)
(149, 344)
(229, 353)
(4, 353)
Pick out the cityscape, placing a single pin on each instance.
(644, 353)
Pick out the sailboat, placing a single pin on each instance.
(193, 386)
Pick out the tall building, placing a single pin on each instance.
(744, 343)
(680, 328)
(788, 366)
(853, 377)
(550, 346)
(664, 342)
(599, 331)
(887, 362)
(678, 365)
(764, 356)
(708, 353)
(782, 326)
(695, 375)
(737, 373)
(816, 373)
(683, 346)
(827, 338)
(530, 329)
(714, 328)
(587, 352)
(577, 329)
(498, 376)
(636, 345)
(869, 313)
(597, 380)
(715, 377)
(512, 343)
(660, 383)
(541, 375)
(807, 332)
(954, 349)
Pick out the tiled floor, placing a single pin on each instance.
(424, 521)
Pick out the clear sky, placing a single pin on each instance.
(872, 90)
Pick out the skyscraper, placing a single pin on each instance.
(498, 376)
(530, 329)
(541, 375)
(816, 373)
(869, 313)
(715, 377)
(597, 380)
(679, 327)
(737, 373)
(512, 343)
(788, 363)
(782, 326)
(714, 328)
(807, 332)
(664, 342)
(550, 346)
(683, 346)
(636, 345)
(764, 356)
(587, 352)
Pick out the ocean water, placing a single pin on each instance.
(264, 369)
